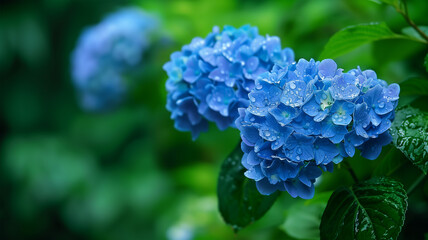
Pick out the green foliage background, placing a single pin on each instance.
(128, 174)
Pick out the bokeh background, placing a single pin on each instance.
(128, 174)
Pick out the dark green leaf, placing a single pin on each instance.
(414, 87)
(303, 219)
(411, 32)
(352, 37)
(374, 209)
(410, 134)
(240, 202)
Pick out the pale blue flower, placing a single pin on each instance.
(108, 51)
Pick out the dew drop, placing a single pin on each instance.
(266, 102)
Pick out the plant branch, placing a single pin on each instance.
(405, 14)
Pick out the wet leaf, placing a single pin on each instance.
(240, 202)
(374, 209)
(410, 135)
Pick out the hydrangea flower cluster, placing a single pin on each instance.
(105, 53)
(306, 116)
(210, 78)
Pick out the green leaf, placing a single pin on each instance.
(352, 37)
(410, 135)
(411, 32)
(414, 87)
(303, 219)
(240, 202)
(374, 209)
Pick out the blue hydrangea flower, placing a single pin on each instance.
(215, 74)
(105, 53)
(307, 116)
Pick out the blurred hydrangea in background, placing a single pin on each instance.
(105, 55)
(308, 115)
(210, 78)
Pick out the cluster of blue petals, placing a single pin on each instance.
(105, 53)
(305, 117)
(210, 78)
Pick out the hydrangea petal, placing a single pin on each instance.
(308, 132)
(218, 72)
(298, 189)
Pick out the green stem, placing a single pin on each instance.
(351, 171)
(415, 184)
(405, 14)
